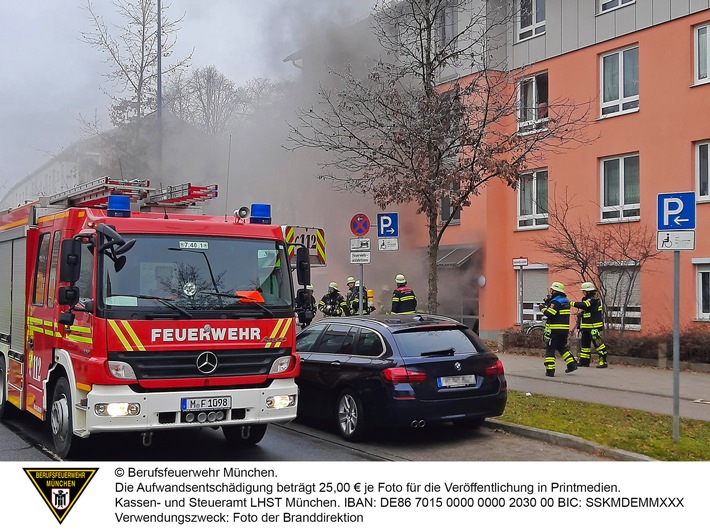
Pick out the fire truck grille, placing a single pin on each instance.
(187, 364)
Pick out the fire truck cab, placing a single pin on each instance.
(127, 309)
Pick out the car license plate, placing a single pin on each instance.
(206, 403)
(456, 380)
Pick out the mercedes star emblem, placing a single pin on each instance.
(207, 362)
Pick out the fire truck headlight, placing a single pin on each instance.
(117, 409)
(280, 401)
(121, 370)
(280, 365)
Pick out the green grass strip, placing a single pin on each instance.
(631, 430)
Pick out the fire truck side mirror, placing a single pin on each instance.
(68, 295)
(71, 261)
(303, 266)
(66, 317)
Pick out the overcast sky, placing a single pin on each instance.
(49, 77)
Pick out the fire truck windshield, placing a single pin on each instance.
(198, 273)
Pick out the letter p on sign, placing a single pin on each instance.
(676, 211)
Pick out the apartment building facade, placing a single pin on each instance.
(642, 65)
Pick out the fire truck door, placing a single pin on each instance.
(78, 338)
(41, 326)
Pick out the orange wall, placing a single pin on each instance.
(672, 115)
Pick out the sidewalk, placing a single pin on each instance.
(636, 387)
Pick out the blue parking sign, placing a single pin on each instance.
(676, 211)
(388, 225)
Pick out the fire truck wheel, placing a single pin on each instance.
(244, 435)
(3, 386)
(61, 421)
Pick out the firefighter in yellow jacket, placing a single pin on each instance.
(590, 326)
(556, 308)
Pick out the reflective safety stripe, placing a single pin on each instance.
(81, 339)
(280, 330)
(83, 336)
(125, 333)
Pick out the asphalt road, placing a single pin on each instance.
(22, 437)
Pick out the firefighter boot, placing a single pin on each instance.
(584, 359)
(570, 361)
(602, 362)
(550, 366)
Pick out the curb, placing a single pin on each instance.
(565, 440)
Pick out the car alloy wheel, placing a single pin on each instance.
(350, 416)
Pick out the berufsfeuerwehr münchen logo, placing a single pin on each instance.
(60, 488)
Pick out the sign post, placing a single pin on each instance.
(676, 232)
(360, 248)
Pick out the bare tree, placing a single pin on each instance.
(206, 99)
(612, 255)
(400, 135)
(258, 94)
(210, 101)
(132, 54)
(177, 97)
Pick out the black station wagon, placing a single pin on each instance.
(372, 371)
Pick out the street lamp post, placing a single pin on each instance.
(159, 98)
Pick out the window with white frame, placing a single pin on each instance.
(607, 5)
(703, 290)
(532, 199)
(620, 188)
(448, 21)
(532, 18)
(702, 62)
(446, 209)
(533, 103)
(620, 81)
(621, 293)
(702, 149)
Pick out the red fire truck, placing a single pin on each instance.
(127, 309)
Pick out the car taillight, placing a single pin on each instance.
(496, 369)
(402, 375)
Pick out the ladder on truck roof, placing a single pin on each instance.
(95, 193)
(181, 195)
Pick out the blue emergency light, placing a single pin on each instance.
(119, 206)
(260, 213)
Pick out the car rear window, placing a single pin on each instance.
(416, 342)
